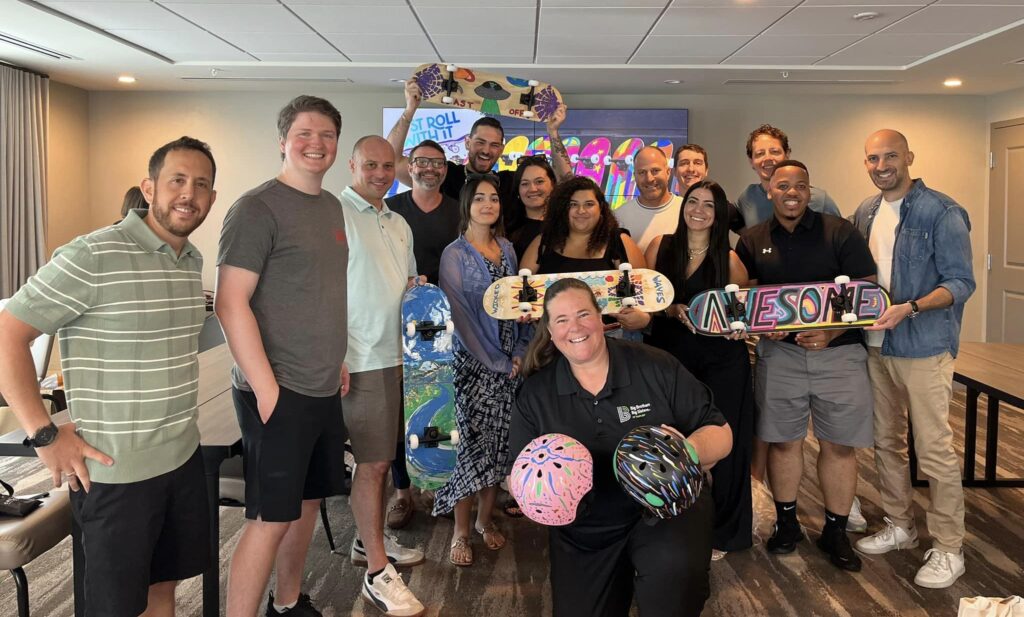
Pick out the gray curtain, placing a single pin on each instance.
(24, 103)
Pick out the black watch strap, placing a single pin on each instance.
(913, 308)
(43, 437)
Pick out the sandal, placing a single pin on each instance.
(493, 538)
(461, 552)
(511, 508)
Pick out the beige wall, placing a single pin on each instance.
(1006, 106)
(67, 179)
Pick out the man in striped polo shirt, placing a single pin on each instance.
(128, 305)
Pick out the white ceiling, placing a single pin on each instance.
(591, 46)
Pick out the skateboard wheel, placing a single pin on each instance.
(737, 326)
(452, 68)
(629, 301)
(624, 266)
(527, 114)
(449, 327)
(533, 83)
(454, 437)
(447, 100)
(410, 328)
(849, 317)
(629, 160)
(525, 307)
(594, 159)
(414, 442)
(525, 272)
(732, 288)
(842, 279)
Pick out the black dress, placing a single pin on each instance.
(724, 366)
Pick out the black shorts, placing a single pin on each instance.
(141, 533)
(298, 454)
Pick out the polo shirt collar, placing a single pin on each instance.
(805, 223)
(618, 373)
(361, 204)
(135, 226)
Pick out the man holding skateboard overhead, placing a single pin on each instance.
(817, 374)
(921, 240)
(381, 259)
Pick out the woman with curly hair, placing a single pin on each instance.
(581, 235)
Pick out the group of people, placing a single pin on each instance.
(314, 370)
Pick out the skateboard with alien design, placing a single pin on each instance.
(489, 93)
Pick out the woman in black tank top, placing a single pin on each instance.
(534, 183)
(695, 258)
(581, 235)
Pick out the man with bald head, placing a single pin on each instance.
(655, 211)
(920, 239)
(381, 266)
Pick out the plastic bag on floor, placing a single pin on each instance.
(1012, 606)
(764, 509)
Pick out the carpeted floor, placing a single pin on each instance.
(513, 581)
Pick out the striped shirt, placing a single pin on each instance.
(127, 311)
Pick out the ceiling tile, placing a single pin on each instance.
(386, 20)
(345, 2)
(122, 15)
(692, 45)
(410, 58)
(860, 3)
(217, 1)
(258, 42)
(616, 60)
(773, 60)
(431, 4)
(510, 20)
(367, 44)
(990, 2)
(693, 60)
(838, 19)
(818, 46)
(269, 18)
(712, 21)
(588, 45)
(183, 46)
(478, 61)
(884, 44)
(866, 57)
(622, 4)
(958, 20)
(621, 21)
(299, 58)
(466, 45)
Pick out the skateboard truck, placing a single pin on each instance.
(432, 437)
(735, 309)
(529, 98)
(843, 303)
(624, 290)
(449, 85)
(428, 329)
(527, 295)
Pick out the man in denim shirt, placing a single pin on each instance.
(920, 240)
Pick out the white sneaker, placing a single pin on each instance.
(892, 538)
(856, 523)
(397, 554)
(389, 593)
(940, 569)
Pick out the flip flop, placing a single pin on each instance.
(461, 547)
(493, 538)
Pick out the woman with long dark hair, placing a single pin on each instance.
(488, 355)
(695, 258)
(534, 182)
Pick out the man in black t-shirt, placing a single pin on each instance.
(817, 374)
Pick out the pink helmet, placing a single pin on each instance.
(550, 477)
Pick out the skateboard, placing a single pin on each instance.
(666, 146)
(540, 146)
(515, 148)
(841, 303)
(592, 159)
(489, 93)
(428, 393)
(621, 183)
(513, 297)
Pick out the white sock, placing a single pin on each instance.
(285, 607)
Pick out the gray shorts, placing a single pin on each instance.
(373, 414)
(830, 387)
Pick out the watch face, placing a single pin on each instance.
(45, 435)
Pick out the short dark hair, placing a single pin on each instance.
(303, 103)
(156, 162)
(427, 143)
(487, 121)
(695, 148)
(770, 131)
(133, 199)
(791, 163)
(466, 202)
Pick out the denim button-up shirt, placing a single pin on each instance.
(933, 249)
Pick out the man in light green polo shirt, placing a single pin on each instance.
(127, 304)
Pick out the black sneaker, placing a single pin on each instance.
(784, 538)
(303, 608)
(835, 542)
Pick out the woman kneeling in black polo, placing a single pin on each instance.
(596, 389)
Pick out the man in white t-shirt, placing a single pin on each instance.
(655, 211)
(920, 240)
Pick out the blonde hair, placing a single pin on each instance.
(541, 351)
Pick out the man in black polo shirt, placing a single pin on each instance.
(819, 374)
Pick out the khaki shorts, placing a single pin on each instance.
(373, 414)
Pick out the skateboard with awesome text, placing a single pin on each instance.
(489, 93)
(428, 393)
(841, 303)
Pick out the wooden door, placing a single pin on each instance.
(1005, 302)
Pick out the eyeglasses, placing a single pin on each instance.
(422, 161)
(490, 177)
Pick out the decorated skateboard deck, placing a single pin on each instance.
(513, 297)
(621, 184)
(428, 394)
(514, 149)
(540, 146)
(593, 159)
(666, 146)
(489, 93)
(783, 308)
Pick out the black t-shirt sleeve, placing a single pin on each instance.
(746, 255)
(854, 256)
(692, 403)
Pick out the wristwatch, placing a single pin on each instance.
(914, 311)
(43, 437)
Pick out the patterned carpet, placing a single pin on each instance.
(513, 581)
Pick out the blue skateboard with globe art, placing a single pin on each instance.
(428, 393)
(489, 93)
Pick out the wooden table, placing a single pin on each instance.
(219, 438)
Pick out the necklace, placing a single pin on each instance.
(695, 252)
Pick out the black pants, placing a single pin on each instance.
(666, 565)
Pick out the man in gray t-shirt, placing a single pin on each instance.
(281, 299)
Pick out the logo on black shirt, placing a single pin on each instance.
(767, 250)
(632, 412)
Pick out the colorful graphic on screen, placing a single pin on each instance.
(601, 142)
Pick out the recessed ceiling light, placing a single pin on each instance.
(866, 15)
(952, 82)
(673, 82)
(126, 79)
